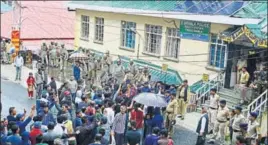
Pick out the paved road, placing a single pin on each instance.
(14, 95)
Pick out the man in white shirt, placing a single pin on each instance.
(109, 113)
(73, 86)
(213, 107)
(18, 62)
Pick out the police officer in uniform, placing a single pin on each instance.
(132, 67)
(145, 76)
(44, 53)
(221, 119)
(119, 72)
(238, 119)
(183, 96)
(171, 114)
(253, 131)
(138, 76)
(213, 107)
(129, 76)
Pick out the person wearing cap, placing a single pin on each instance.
(221, 119)
(43, 53)
(183, 96)
(238, 119)
(132, 68)
(63, 56)
(128, 76)
(138, 75)
(118, 71)
(36, 131)
(30, 83)
(213, 106)
(171, 111)
(253, 131)
(22, 122)
(145, 77)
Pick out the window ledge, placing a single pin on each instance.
(151, 54)
(127, 49)
(84, 39)
(98, 42)
(171, 59)
(213, 68)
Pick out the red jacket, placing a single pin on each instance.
(30, 81)
(35, 133)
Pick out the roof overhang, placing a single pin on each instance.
(234, 35)
(172, 15)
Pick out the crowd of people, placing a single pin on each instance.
(81, 113)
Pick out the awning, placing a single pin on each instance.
(251, 31)
(169, 77)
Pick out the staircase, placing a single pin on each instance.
(258, 105)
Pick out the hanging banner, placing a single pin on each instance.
(195, 30)
(164, 67)
(15, 39)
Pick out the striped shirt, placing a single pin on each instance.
(119, 123)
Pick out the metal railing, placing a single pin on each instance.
(259, 104)
(201, 94)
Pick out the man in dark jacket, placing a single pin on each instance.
(53, 84)
(202, 127)
(22, 122)
(85, 133)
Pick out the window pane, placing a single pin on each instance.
(128, 34)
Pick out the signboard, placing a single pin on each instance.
(164, 67)
(195, 30)
(205, 77)
(15, 39)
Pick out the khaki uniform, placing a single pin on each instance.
(244, 78)
(144, 78)
(253, 131)
(212, 112)
(132, 69)
(182, 105)
(220, 124)
(238, 119)
(119, 73)
(129, 76)
(138, 77)
(171, 115)
(240, 65)
(44, 54)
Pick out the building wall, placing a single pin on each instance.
(112, 37)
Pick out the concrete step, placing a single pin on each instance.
(229, 92)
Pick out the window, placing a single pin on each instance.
(153, 36)
(99, 29)
(218, 52)
(84, 27)
(172, 43)
(128, 37)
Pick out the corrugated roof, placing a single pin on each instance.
(41, 20)
(255, 9)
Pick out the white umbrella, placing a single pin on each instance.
(78, 56)
(151, 99)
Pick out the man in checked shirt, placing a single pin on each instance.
(119, 126)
